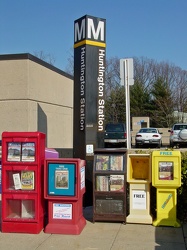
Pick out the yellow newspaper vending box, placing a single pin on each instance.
(166, 177)
(139, 179)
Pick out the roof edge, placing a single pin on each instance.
(35, 59)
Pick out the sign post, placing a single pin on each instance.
(126, 74)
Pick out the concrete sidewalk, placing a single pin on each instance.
(102, 236)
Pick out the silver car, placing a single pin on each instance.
(178, 134)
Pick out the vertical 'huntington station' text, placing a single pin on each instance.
(82, 89)
(101, 89)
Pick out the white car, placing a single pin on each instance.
(148, 137)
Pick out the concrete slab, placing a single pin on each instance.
(101, 236)
(22, 241)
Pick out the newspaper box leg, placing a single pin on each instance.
(166, 208)
(139, 204)
(65, 217)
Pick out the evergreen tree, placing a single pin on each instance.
(163, 105)
(140, 101)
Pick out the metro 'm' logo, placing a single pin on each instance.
(89, 28)
(80, 31)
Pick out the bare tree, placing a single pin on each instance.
(147, 72)
(180, 92)
(70, 66)
(144, 71)
(112, 75)
(45, 57)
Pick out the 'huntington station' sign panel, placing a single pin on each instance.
(89, 82)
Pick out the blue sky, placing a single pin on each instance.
(155, 29)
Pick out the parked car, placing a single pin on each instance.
(115, 135)
(148, 136)
(178, 134)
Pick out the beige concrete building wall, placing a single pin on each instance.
(36, 96)
(14, 115)
(137, 122)
(59, 125)
(47, 86)
(13, 79)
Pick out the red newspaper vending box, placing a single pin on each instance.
(23, 155)
(64, 187)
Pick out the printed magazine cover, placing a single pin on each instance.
(14, 151)
(28, 151)
(102, 183)
(62, 179)
(17, 181)
(116, 162)
(165, 170)
(27, 180)
(102, 162)
(117, 183)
